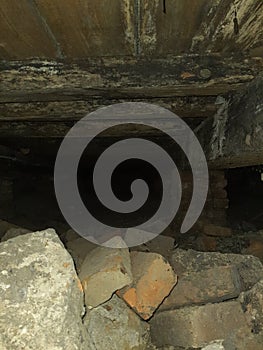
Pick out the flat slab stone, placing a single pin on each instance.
(250, 268)
(208, 286)
(197, 326)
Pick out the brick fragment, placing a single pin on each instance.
(153, 280)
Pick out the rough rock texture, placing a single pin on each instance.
(114, 326)
(197, 326)
(252, 304)
(249, 267)
(207, 286)
(14, 232)
(243, 339)
(153, 280)
(41, 298)
(104, 271)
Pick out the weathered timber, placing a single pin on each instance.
(201, 26)
(123, 79)
(56, 29)
(234, 136)
(79, 29)
(185, 107)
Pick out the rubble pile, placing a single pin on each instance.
(77, 295)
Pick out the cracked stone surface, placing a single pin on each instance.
(41, 298)
(114, 326)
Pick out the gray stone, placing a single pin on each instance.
(197, 326)
(208, 286)
(114, 326)
(252, 304)
(78, 249)
(14, 232)
(249, 267)
(41, 298)
(243, 339)
(103, 272)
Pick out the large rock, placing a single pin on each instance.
(103, 272)
(197, 326)
(249, 267)
(114, 326)
(41, 298)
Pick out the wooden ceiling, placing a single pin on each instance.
(61, 59)
(76, 29)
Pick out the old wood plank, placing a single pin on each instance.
(201, 26)
(90, 28)
(20, 41)
(185, 107)
(116, 78)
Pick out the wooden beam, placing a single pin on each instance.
(185, 107)
(117, 78)
(234, 136)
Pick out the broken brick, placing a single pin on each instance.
(153, 280)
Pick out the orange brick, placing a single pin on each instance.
(153, 280)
